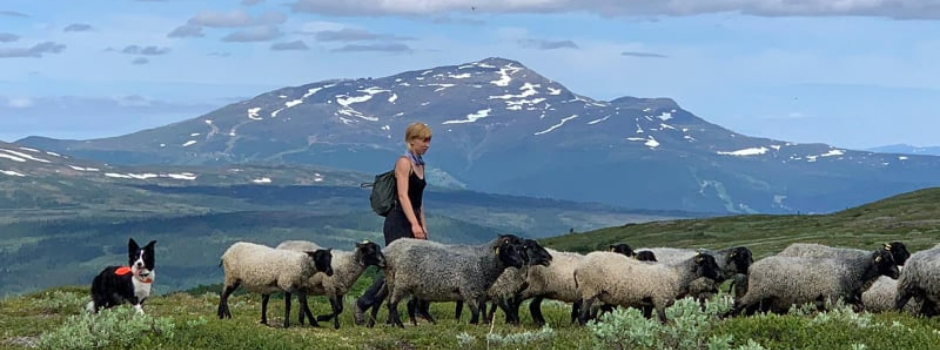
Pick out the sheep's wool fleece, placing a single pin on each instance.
(262, 269)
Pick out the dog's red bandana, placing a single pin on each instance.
(123, 270)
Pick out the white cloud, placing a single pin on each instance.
(236, 18)
(19, 102)
(265, 33)
(899, 9)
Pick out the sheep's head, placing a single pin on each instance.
(535, 254)
(322, 260)
(898, 252)
(884, 263)
(509, 238)
(510, 254)
(706, 266)
(739, 259)
(622, 248)
(645, 255)
(368, 253)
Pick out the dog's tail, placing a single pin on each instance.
(90, 307)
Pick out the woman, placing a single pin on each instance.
(407, 217)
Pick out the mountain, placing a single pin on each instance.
(908, 149)
(502, 127)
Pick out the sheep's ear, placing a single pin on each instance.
(878, 259)
(496, 251)
(888, 246)
(611, 247)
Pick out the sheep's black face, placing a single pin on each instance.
(622, 248)
(707, 266)
(740, 258)
(323, 260)
(898, 252)
(645, 255)
(511, 255)
(885, 265)
(370, 254)
(535, 254)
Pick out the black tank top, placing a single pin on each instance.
(416, 189)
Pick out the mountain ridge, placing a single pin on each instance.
(501, 127)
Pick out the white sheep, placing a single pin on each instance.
(347, 267)
(265, 270)
(733, 263)
(618, 280)
(778, 283)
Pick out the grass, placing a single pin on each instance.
(186, 320)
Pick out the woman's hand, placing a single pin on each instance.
(418, 232)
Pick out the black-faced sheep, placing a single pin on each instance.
(778, 283)
(265, 270)
(347, 267)
(432, 271)
(618, 280)
(882, 294)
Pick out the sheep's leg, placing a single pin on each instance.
(458, 309)
(424, 309)
(287, 309)
(336, 302)
(535, 308)
(223, 301)
(264, 308)
(905, 295)
(661, 312)
(474, 304)
(393, 317)
(586, 304)
(412, 307)
(928, 307)
(576, 311)
(504, 304)
(305, 309)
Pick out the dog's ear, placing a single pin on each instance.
(132, 246)
(150, 245)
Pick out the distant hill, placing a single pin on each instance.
(911, 218)
(908, 149)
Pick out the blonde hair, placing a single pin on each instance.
(416, 130)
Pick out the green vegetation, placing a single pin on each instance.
(186, 320)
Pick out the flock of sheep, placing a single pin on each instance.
(509, 270)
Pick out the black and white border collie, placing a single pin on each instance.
(116, 285)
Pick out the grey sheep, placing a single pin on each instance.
(347, 267)
(813, 250)
(778, 283)
(503, 292)
(921, 281)
(265, 270)
(619, 280)
(431, 271)
(882, 294)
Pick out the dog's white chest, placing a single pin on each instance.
(141, 289)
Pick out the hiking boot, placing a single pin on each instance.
(358, 315)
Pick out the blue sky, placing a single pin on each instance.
(851, 73)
